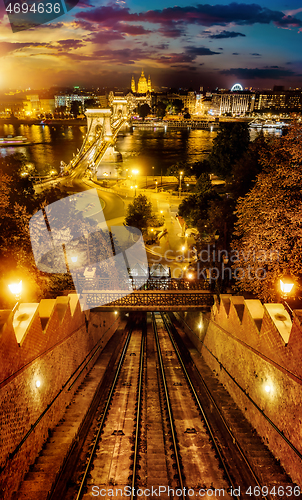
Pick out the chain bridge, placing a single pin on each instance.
(103, 126)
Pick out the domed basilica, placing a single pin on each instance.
(143, 85)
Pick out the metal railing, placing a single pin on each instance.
(139, 283)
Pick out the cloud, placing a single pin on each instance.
(175, 58)
(255, 54)
(258, 73)
(161, 46)
(69, 44)
(200, 51)
(226, 34)
(174, 20)
(184, 66)
(10, 47)
(131, 29)
(104, 37)
(122, 56)
(235, 54)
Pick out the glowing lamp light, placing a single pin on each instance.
(286, 285)
(74, 259)
(190, 276)
(135, 172)
(16, 288)
(38, 383)
(183, 248)
(267, 388)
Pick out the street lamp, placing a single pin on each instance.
(156, 186)
(16, 290)
(135, 172)
(180, 177)
(286, 285)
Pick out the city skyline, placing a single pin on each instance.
(188, 45)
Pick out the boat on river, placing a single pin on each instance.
(18, 140)
(270, 124)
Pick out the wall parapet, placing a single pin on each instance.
(265, 328)
(33, 329)
(255, 350)
(43, 362)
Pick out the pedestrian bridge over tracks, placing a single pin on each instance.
(166, 294)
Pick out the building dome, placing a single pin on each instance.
(142, 86)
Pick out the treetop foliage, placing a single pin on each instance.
(231, 142)
(139, 212)
(268, 231)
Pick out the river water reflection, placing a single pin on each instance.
(141, 149)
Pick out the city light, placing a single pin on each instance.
(38, 383)
(16, 289)
(286, 285)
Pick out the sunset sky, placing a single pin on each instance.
(178, 44)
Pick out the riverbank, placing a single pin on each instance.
(54, 122)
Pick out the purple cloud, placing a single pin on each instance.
(258, 73)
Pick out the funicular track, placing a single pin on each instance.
(158, 426)
(110, 459)
(238, 462)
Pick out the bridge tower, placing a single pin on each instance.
(120, 107)
(98, 124)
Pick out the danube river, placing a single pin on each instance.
(141, 149)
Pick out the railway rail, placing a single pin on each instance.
(158, 429)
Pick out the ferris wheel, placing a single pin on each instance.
(237, 86)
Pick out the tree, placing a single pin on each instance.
(229, 145)
(268, 238)
(195, 210)
(144, 110)
(91, 103)
(246, 169)
(203, 184)
(178, 170)
(160, 109)
(139, 212)
(177, 106)
(75, 108)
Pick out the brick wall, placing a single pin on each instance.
(255, 348)
(58, 339)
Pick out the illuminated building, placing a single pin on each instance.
(143, 85)
(133, 88)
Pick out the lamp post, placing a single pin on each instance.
(135, 173)
(16, 290)
(286, 286)
(180, 177)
